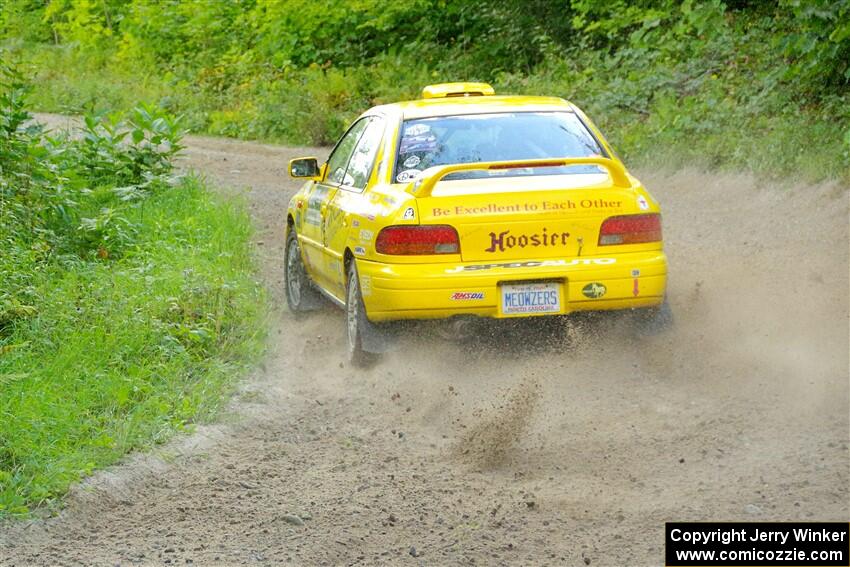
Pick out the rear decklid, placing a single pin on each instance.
(512, 217)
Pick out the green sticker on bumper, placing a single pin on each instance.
(594, 290)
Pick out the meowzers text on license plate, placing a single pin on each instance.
(520, 299)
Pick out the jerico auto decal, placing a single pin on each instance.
(467, 295)
(536, 264)
(507, 240)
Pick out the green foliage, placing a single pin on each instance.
(127, 304)
(24, 20)
(819, 45)
(739, 80)
(701, 85)
(66, 190)
(132, 154)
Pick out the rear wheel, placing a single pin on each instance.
(357, 324)
(300, 295)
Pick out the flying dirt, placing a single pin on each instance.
(545, 443)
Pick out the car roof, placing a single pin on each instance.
(449, 106)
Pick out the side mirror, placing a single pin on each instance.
(307, 167)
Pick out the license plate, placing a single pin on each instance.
(531, 298)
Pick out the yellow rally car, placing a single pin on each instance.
(466, 204)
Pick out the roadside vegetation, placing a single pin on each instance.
(736, 84)
(127, 297)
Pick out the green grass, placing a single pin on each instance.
(120, 354)
(68, 82)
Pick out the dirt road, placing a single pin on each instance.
(521, 448)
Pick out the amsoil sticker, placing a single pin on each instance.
(467, 295)
(505, 240)
(409, 214)
(642, 204)
(594, 290)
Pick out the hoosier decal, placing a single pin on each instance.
(505, 240)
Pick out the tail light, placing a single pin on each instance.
(418, 239)
(630, 229)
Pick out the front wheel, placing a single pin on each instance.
(300, 295)
(357, 324)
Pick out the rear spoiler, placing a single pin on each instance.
(425, 183)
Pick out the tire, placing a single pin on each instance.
(357, 324)
(300, 294)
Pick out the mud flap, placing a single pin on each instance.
(314, 300)
(376, 339)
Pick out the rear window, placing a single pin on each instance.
(476, 138)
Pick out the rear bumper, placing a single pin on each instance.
(437, 291)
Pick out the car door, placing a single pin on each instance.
(346, 198)
(315, 218)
